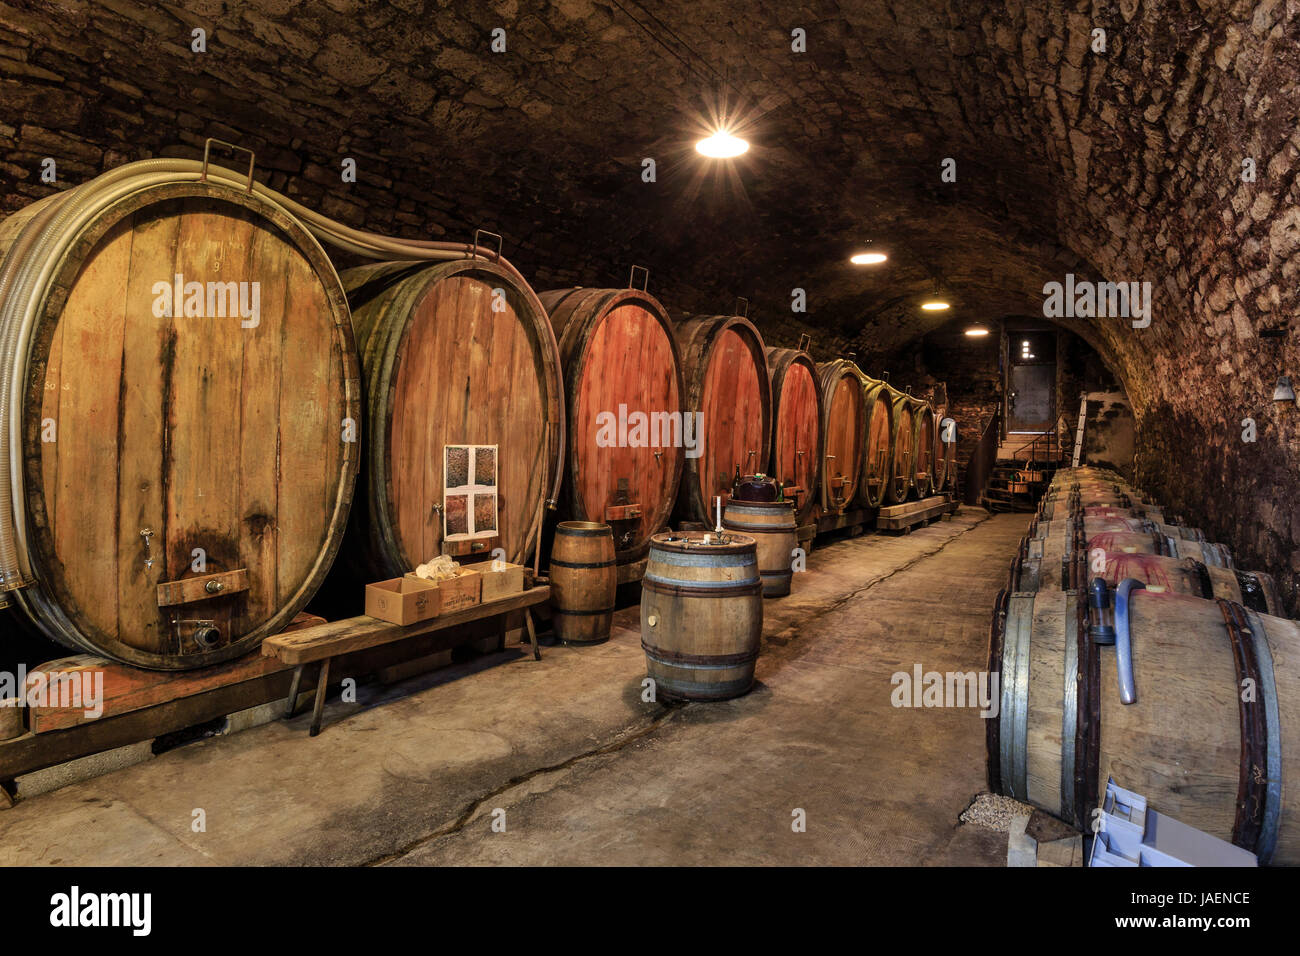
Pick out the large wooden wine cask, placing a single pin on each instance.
(1208, 553)
(584, 579)
(622, 374)
(772, 526)
(452, 353)
(1190, 741)
(701, 615)
(797, 432)
(844, 427)
(1100, 502)
(1115, 520)
(1254, 589)
(1053, 545)
(876, 449)
(724, 363)
(902, 443)
(187, 435)
(923, 440)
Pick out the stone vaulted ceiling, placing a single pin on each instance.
(1123, 164)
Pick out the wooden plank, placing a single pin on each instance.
(202, 587)
(85, 407)
(34, 752)
(894, 517)
(260, 409)
(358, 633)
(834, 522)
(1066, 852)
(205, 382)
(128, 688)
(142, 438)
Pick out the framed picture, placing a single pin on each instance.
(469, 492)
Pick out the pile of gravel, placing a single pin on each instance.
(994, 812)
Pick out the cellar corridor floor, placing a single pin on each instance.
(581, 770)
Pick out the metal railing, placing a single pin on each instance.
(982, 459)
(1050, 438)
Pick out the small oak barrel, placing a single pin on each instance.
(190, 403)
(923, 441)
(725, 368)
(902, 443)
(843, 424)
(797, 432)
(1051, 548)
(1189, 741)
(772, 526)
(1101, 502)
(1208, 553)
(626, 429)
(584, 577)
(453, 353)
(879, 432)
(1254, 589)
(701, 615)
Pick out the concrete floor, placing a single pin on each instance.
(585, 772)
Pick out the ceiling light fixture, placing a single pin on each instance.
(867, 258)
(722, 145)
(975, 331)
(934, 305)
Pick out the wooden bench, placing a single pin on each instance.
(325, 641)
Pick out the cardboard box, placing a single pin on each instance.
(497, 584)
(454, 595)
(406, 600)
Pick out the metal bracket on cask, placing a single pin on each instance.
(805, 340)
(743, 314)
(483, 232)
(631, 278)
(202, 587)
(207, 146)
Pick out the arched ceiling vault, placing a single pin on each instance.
(1122, 163)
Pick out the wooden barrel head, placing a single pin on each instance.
(454, 353)
(924, 462)
(844, 417)
(796, 435)
(903, 449)
(725, 367)
(877, 448)
(626, 430)
(168, 440)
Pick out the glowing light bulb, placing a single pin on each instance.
(976, 331)
(722, 145)
(934, 306)
(868, 258)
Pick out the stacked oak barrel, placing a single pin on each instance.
(1130, 647)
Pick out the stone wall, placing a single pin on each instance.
(1163, 150)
